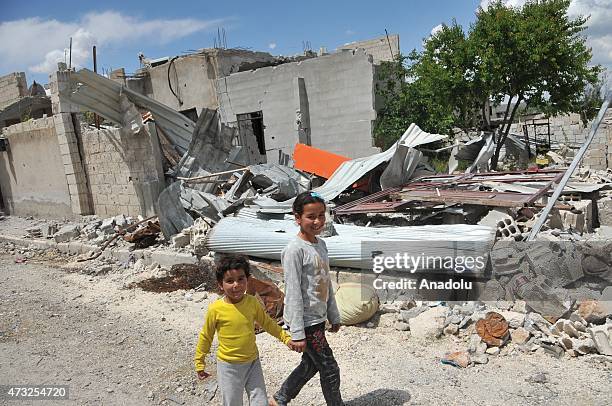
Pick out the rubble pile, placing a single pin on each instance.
(547, 236)
(503, 328)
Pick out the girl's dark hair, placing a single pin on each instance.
(231, 261)
(305, 198)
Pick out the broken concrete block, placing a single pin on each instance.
(579, 219)
(93, 226)
(581, 346)
(181, 240)
(121, 221)
(535, 322)
(530, 346)
(476, 345)
(406, 315)
(604, 211)
(108, 225)
(66, 233)
(458, 359)
(479, 358)
(602, 337)
(401, 326)
(451, 329)
(49, 230)
(514, 319)
(494, 217)
(584, 345)
(429, 324)
(34, 232)
(553, 350)
(493, 351)
(520, 336)
(595, 311)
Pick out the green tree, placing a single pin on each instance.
(533, 55)
(435, 89)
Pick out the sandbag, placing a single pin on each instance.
(357, 303)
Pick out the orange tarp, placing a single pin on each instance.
(317, 161)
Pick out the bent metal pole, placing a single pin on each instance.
(551, 202)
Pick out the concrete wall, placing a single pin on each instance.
(339, 89)
(12, 87)
(568, 129)
(381, 49)
(121, 170)
(32, 175)
(193, 76)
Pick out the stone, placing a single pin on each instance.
(535, 322)
(429, 324)
(514, 319)
(606, 294)
(66, 233)
(604, 211)
(566, 342)
(520, 306)
(121, 221)
(457, 358)
(492, 351)
(530, 346)
(401, 326)
(577, 318)
(479, 358)
(104, 269)
(199, 296)
(553, 350)
(181, 240)
(520, 336)
(92, 226)
(467, 309)
(595, 311)
(602, 338)
(493, 329)
(504, 305)
(584, 346)
(539, 377)
(570, 330)
(406, 315)
(451, 329)
(454, 319)
(476, 345)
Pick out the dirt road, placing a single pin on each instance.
(118, 346)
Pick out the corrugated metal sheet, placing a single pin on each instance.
(266, 239)
(101, 95)
(351, 171)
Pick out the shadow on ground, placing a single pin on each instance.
(381, 397)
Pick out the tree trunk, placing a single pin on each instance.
(504, 131)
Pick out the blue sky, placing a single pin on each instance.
(33, 34)
(278, 27)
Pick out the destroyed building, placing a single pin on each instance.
(18, 102)
(191, 156)
(328, 101)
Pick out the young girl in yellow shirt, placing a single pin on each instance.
(232, 317)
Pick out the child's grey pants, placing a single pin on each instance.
(236, 378)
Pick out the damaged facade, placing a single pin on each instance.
(277, 102)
